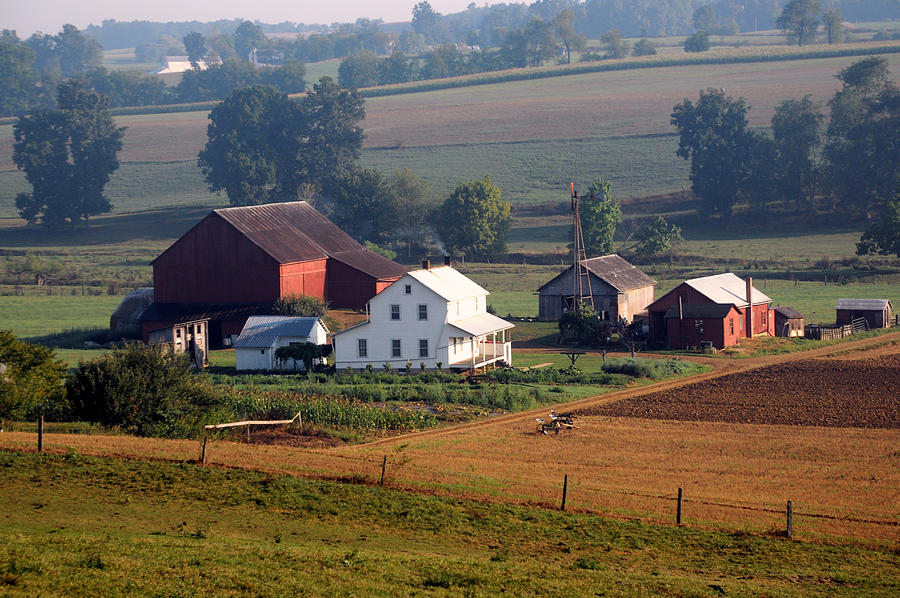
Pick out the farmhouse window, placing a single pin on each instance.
(731, 326)
(395, 347)
(423, 311)
(395, 311)
(362, 348)
(763, 318)
(423, 347)
(742, 321)
(408, 289)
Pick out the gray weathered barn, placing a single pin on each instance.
(877, 312)
(619, 290)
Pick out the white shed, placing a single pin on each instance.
(261, 336)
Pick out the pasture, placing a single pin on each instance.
(106, 527)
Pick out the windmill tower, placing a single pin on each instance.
(581, 279)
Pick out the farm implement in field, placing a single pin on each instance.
(556, 422)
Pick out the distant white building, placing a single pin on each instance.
(179, 64)
(431, 316)
(262, 336)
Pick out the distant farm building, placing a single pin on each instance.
(876, 312)
(714, 310)
(262, 336)
(788, 322)
(619, 290)
(237, 261)
(179, 64)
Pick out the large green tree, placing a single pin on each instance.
(195, 46)
(797, 130)
(799, 20)
(600, 216)
(714, 136)
(564, 24)
(68, 155)
(363, 205)
(18, 88)
(883, 237)
(861, 150)
(247, 38)
(411, 193)
(263, 146)
(474, 221)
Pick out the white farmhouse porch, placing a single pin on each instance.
(485, 343)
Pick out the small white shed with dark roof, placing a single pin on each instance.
(619, 290)
(255, 348)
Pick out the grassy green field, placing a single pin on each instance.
(108, 527)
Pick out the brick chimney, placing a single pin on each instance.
(750, 307)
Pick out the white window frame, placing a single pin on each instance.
(423, 344)
(395, 309)
(423, 311)
(396, 348)
(362, 347)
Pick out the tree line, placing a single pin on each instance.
(846, 161)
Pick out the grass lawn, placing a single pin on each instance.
(107, 527)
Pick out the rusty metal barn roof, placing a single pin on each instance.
(290, 231)
(617, 272)
(613, 270)
(371, 263)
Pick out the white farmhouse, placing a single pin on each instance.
(261, 336)
(431, 316)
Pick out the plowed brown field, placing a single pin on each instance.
(835, 393)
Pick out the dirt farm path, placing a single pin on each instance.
(867, 347)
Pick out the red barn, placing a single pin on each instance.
(718, 309)
(237, 261)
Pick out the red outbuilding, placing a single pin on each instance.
(238, 261)
(719, 310)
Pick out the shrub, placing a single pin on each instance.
(699, 42)
(142, 389)
(30, 379)
(300, 305)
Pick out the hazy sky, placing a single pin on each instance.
(48, 16)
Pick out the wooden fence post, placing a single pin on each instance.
(41, 433)
(789, 532)
(203, 450)
(383, 467)
(565, 489)
(678, 510)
